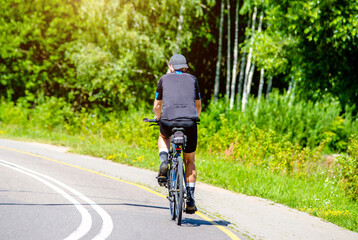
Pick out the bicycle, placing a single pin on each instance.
(175, 180)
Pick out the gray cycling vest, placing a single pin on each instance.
(179, 92)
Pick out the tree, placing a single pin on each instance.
(248, 63)
(109, 54)
(228, 59)
(35, 37)
(252, 69)
(261, 86)
(235, 55)
(93, 54)
(180, 26)
(242, 70)
(269, 87)
(218, 62)
(325, 34)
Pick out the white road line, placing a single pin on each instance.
(107, 225)
(86, 222)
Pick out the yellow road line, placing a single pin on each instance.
(222, 228)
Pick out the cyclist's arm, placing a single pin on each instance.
(158, 108)
(197, 97)
(198, 106)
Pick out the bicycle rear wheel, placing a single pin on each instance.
(171, 197)
(179, 191)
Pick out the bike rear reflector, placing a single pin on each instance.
(179, 140)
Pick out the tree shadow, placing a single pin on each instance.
(84, 204)
(142, 205)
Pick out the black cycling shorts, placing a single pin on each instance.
(191, 131)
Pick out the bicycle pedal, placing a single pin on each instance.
(162, 181)
(189, 211)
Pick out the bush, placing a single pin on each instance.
(304, 123)
(12, 114)
(52, 113)
(348, 168)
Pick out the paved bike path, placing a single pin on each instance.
(254, 217)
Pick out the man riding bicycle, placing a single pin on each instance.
(178, 104)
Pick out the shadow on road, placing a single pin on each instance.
(84, 204)
(199, 222)
(141, 205)
(189, 222)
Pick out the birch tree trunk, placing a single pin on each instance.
(269, 87)
(248, 63)
(228, 65)
(249, 81)
(290, 91)
(242, 71)
(252, 69)
(261, 86)
(292, 97)
(290, 87)
(180, 27)
(234, 67)
(218, 62)
(241, 77)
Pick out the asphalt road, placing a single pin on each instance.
(48, 193)
(47, 196)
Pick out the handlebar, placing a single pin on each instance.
(150, 120)
(154, 121)
(197, 121)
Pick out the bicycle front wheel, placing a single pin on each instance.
(179, 191)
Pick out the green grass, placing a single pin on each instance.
(319, 194)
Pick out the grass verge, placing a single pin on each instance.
(319, 194)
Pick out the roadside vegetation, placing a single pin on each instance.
(253, 153)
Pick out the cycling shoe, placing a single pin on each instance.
(190, 206)
(163, 169)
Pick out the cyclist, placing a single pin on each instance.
(178, 104)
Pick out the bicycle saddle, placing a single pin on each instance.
(178, 136)
(176, 129)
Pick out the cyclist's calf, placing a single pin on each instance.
(190, 170)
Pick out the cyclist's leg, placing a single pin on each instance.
(190, 174)
(190, 169)
(163, 146)
(189, 153)
(164, 137)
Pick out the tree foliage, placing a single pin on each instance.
(315, 42)
(110, 54)
(96, 53)
(34, 39)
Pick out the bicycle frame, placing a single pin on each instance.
(173, 162)
(176, 180)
